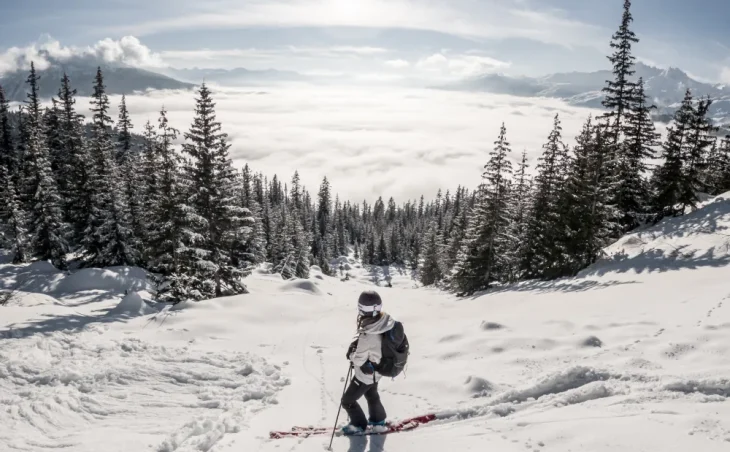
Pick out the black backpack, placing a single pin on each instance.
(395, 352)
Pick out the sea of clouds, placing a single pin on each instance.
(369, 142)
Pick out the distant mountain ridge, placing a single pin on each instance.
(118, 80)
(234, 76)
(665, 87)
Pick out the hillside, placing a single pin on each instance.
(633, 354)
(118, 80)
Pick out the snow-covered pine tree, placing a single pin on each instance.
(544, 256)
(284, 252)
(721, 167)
(171, 220)
(520, 201)
(695, 149)
(430, 271)
(619, 93)
(212, 181)
(632, 195)
(13, 234)
(481, 260)
(712, 171)
(109, 239)
(54, 143)
(8, 157)
(128, 160)
(320, 247)
(667, 179)
(47, 231)
(588, 215)
(78, 200)
(381, 257)
(457, 232)
(124, 133)
(149, 180)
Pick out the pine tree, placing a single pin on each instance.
(544, 256)
(13, 234)
(697, 144)
(129, 163)
(320, 248)
(47, 230)
(149, 169)
(519, 214)
(430, 271)
(457, 233)
(667, 180)
(481, 260)
(54, 143)
(223, 221)
(382, 254)
(124, 133)
(109, 240)
(78, 199)
(619, 93)
(632, 195)
(588, 214)
(721, 167)
(171, 220)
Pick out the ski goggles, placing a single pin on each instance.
(369, 311)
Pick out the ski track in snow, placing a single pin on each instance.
(66, 383)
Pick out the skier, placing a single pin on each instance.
(365, 353)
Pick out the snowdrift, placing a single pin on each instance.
(132, 305)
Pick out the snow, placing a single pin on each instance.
(633, 354)
(132, 305)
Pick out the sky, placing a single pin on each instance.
(378, 40)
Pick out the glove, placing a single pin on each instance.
(367, 368)
(351, 349)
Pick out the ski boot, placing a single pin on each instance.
(352, 430)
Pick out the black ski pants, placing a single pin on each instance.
(353, 393)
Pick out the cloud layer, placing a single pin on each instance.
(368, 142)
(127, 50)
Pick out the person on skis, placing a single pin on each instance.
(365, 354)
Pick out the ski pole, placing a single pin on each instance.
(347, 380)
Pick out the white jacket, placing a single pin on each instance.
(369, 344)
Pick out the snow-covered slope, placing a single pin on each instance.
(632, 355)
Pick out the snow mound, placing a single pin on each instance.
(591, 341)
(114, 279)
(63, 385)
(708, 387)
(301, 285)
(478, 387)
(567, 380)
(132, 305)
(41, 267)
(345, 261)
(487, 326)
(30, 299)
(315, 268)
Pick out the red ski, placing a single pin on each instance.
(393, 427)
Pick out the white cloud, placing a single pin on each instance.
(399, 142)
(725, 75)
(461, 65)
(397, 64)
(433, 62)
(485, 19)
(127, 50)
